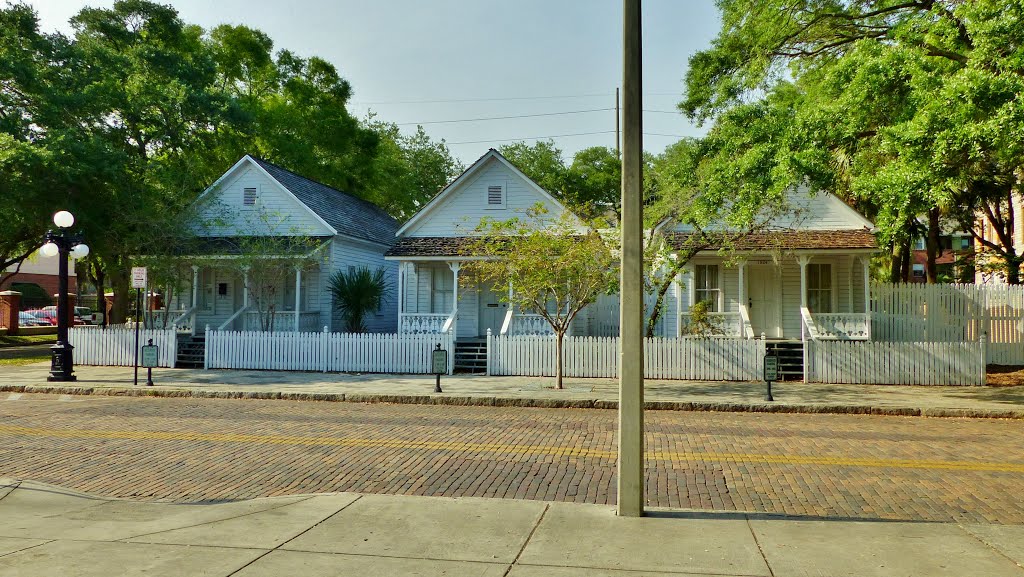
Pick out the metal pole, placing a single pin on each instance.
(61, 360)
(631, 312)
(138, 305)
(149, 371)
(618, 139)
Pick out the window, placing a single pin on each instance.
(249, 197)
(919, 243)
(706, 283)
(495, 196)
(441, 291)
(918, 271)
(819, 288)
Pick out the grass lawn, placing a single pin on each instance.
(23, 361)
(18, 340)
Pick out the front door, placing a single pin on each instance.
(763, 300)
(492, 311)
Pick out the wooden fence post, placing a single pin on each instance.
(984, 361)
(325, 343)
(206, 350)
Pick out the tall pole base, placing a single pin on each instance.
(61, 363)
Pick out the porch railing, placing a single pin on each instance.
(842, 326)
(530, 324)
(835, 326)
(420, 323)
(284, 321)
(718, 325)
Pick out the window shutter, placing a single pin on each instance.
(495, 195)
(249, 197)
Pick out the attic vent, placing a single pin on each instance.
(249, 198)
(494, 195)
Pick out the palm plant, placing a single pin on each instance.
(357, 292)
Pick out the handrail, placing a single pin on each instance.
(183, 316)
(507, 324)
(232, 318)
(808, 322)
(745, 327)
(449, 322)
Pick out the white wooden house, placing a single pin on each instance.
(805, 274)
(433, 244)
(258, 204)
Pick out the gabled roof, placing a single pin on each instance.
(789, 240)
(347, 214)
(468, 174)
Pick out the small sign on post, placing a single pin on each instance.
(771, 373)
(138, 283)
(439, 365)
(150, 359)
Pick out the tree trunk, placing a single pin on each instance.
(933, 246)
(905, 260)
(558, 358)
(122, 296)
(896, 263)
(101, 297)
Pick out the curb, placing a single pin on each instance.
(486, 401)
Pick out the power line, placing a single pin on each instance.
(504, 117)
(498, 99)
(555, 136)
(480, 99)
(531, 137)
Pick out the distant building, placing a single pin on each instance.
(954, 263)
(37, 280)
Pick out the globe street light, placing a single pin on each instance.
(62, 244)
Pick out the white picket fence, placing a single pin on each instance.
(906, 363)
(325, 351)
(115, 346)
(952, 313)
(680, 358)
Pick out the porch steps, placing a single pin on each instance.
(791, 359)
(471, 356)
(191, 351)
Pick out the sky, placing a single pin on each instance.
(553, 65)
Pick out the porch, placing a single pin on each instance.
(227, 298)
(797, 297)
(434, 300)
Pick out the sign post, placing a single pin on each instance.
(439, 365)
(771, 373)
(138, 283)
(150, 359)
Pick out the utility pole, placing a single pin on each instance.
(618, 140)
(631, 311)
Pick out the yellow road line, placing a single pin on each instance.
(555, 451)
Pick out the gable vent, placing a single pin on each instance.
(249, 197)
(494, 195)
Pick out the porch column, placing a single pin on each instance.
(867, 283)
(679, 304)
(195, 286)
(803, 260)
(742, 265)
(401, 288)
(849, 291)
(298, 295)
(455, 266)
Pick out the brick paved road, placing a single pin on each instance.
(813, 465)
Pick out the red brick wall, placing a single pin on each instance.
(48, 282)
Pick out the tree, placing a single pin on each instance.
(553, 267)
(907, 107)
(408, 170)
(357, 292)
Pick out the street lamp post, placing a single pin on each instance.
(62, 243)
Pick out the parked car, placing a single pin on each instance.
(27, 320)
(79, 318)
(44, 317)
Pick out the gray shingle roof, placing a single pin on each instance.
(348, 214)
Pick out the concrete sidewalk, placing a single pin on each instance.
(994, 402)
(48, 530)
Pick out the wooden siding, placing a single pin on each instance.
(345, 253)
(461, 211)
(276, 213)
(821, 211)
